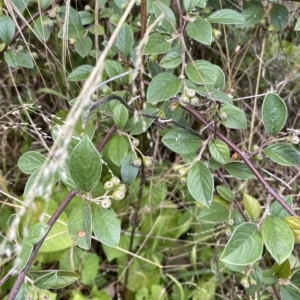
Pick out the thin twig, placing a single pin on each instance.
(245, 159)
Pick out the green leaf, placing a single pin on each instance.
(279, 16)
(80, 73)
(54, 279)
(52, 92)
(181, 141)
(225, 193)
(282, 270)
(114, 68)
(85, 165)
(212, 93)
(86, 17)
(295, 279)
(65, 176)
(128, 170)
(140, 124)
(156, 44)
(42, 181)
(189, 5)
(220, 81)
(163, 87)
(274, 113)
(289, 293)
(120, 116)
(100, 30)
(283, 154)
(297, 26)
(106, 226)
(219, 151)
(278, 238)
(200, 31)
(169, 20)
(125, 39)
(234, 117)
(80, 225)
(173, 58)
(239, 170)
(118, 148)
(200, 183)
(35, 233)
(201, 72)
(31, 161)
(83, 46)
(45, 4)
(294, 224)
(244, 247)
(216, 212)
(277, 210)
(252, 207)
(41, 29)
(252, 15)
(22, 293)
(11, 58)
(226, 16)
(7, 29)
(20, 4)
(24, 59)
(24, 255)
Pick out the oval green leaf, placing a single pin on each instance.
(274, 113)
(80, 73)
(80, 225)
(31, 161)
(252, 207)
(226, 16)
(244, 247)
(156, 44)
(219, 151)
(83, 46)
(200, 31)
(283, 154)
(201, 72)
(118, 148)
(106, 226)
(239, 170)
(216, 212)
(7, 29)
(181, 141)
(279, 16)
(163, 87)
(120, 116)
(128, 170)
(124, 39)
(85, 165)
(235, 117)
(200, 183)
(278, 238)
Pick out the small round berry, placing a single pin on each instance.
(121, 187)
(72, 41)
(87, 8)
(106, 203)
(230, 222)
(147, 161)
(245, 282)
(216, 33)
(135, 142)
(184, 99)
(118, 195)
(115, 180)
(252, 281)
(43, 296)
(153, 57)
(195, 101)
(258, 157)
(29, 296)
(108, 185)
(223, 115)
(295, 140)
(137, 162)
(174, 105)
(183, 180)
(176, 167)
(183, 171)
(189, 93)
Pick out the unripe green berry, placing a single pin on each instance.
(34, 55)
(138, 2)
(115, 180)
(295, 140)
(51, 14)
(124, 5)
(153, 57)
(94, 96)
(137, 162)
(252, 281)
(183, 180)
(183, 171)
(106, 90)
(106, 203)
(20, 48)
(50, 23)
(230, 222)
(29, 296)
(87, 8)
(43, 296)
(195, 101)
(223, 115)
(72, 41)
(228, 231)
(135, 142)
(184, 100)
(216, 33)
(245, 282)
(108, 185)
(255, 147)
(176, 167)
(147, 161)
(189, 93)
(118, 195)
(121, 187)
(258, 157)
